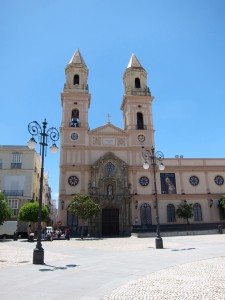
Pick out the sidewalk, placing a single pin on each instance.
(189, 267)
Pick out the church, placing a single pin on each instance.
(108, 163)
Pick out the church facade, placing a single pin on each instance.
(107, 162)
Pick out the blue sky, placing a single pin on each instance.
(180, 43)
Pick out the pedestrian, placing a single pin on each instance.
(28, 232)
(43, 234)
(67, 236)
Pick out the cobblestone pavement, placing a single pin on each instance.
(197, 271)
(14, 254)
(20, 252)
(203, 280)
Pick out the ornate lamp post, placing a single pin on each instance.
(44, 135)
(151, 157)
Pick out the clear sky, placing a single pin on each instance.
(180, 43)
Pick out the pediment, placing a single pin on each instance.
(110, 156)
(107, 129)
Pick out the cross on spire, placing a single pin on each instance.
(108, 116)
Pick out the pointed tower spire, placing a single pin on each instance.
(135, 78)
(76, 74)
(77, 58)
(134, 62)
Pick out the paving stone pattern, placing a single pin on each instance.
(12, 255)
(203, 280)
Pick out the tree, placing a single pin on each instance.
(185, 211)
(5, 210)
(221, 205)
(84, 207)
(29, 212)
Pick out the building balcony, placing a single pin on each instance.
(16, 165)
(13, 192)
(74, 124)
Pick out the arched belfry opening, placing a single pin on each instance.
(75, 121)
(76, 79)
(140, 121)
(137, 83)
(109, 187)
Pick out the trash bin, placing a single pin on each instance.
(220, 229)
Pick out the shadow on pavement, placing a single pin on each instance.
(55, 268)
(183, 249)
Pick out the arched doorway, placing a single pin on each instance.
(110, 221)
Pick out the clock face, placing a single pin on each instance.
(194, 180)
(74, 136)
(144, 181)
(73, 180)
(219, 180)
(141, 138)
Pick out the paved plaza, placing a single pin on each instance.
(189, 267)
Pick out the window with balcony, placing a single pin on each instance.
(16, 160)
(75, 118)
(140, 121)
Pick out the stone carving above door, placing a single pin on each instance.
(109, 177)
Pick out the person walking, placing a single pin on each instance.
(43, 234)
(28, 233)
(67, 232)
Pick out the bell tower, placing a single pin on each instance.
(75, 97)
(137, 101)
(75, 101)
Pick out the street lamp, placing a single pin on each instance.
(151, 157)
(44, 135)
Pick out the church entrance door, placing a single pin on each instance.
(110, 221)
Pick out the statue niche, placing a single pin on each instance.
(109, 177)
(109, 190)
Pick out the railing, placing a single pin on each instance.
(143, 127)
(141, 92)
(74, 124)
(13, 192)
(16, 165)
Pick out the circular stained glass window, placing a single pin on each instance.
(219, 180)
(144, 181)
(110, 167)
